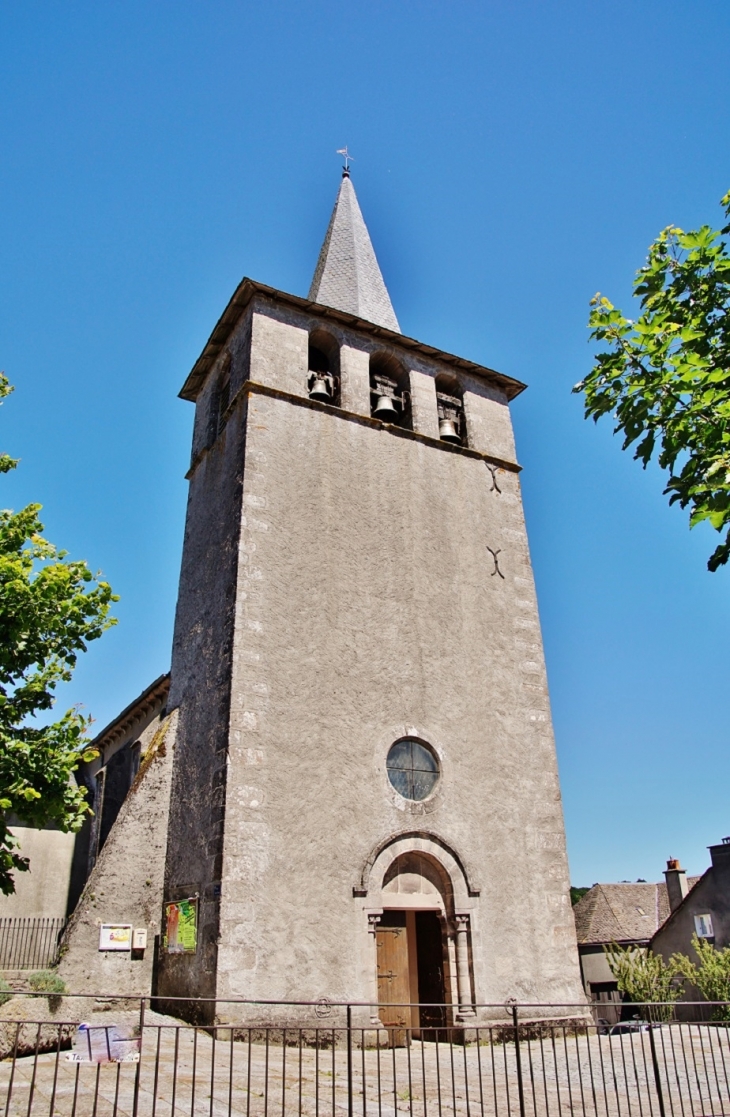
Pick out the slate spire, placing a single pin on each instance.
(347, 276)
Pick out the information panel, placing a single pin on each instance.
(115, 936)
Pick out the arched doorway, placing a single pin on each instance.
(412, 946)
(417, 872)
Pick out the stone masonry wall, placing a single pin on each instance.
(369, 606)
(200, 687)
(344, 584)
(125, 885)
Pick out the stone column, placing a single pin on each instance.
(488, 422)
(373, 920)
(462, 965)
(424, 408)
(355, 380)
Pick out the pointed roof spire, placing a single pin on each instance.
(347, 276)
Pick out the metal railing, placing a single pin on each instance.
(29, 943)
(514, 1060)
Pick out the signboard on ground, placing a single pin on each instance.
(105, 1043)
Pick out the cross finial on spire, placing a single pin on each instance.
(347, 276)
(348, 159)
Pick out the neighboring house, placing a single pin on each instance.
(701, 908)
(42, 892)
(626, 914)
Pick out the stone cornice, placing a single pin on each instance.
(250, 388)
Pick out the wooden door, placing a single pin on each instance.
(394, 989)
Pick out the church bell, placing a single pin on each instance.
(448, 432)
(385, 410)
(320, 389)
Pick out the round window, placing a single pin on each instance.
(413, 770)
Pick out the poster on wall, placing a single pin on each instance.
(115, 936)
(181, 926)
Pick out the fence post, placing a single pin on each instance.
(518, 1057)
(655, 1065)
(349, 1061)
(135, 1103)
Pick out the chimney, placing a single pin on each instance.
(676, 879)
(720, 855)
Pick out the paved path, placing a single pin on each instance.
(184, 1072)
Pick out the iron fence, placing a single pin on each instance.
(28, 943)
(506, 1061)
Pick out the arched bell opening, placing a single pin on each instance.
(450, 403)
(323, 363)
(390, 400)
(221, 398)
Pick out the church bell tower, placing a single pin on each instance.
(365, 797)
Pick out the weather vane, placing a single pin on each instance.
(348, 158)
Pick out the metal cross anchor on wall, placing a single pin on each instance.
(496, 563)
(493, 470)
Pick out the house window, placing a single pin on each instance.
(703, 926)
(413, 769)
(605, 991)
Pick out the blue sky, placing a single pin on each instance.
(511, 159)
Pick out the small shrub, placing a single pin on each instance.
(46, 981)
(5, 992)
(645, 978)
(712, 976)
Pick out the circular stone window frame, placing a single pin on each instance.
(413, 807)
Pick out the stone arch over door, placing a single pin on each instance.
(418, 870)
(418, 880)
(373, 873)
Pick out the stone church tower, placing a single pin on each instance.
(364, 797)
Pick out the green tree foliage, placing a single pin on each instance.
(711, 976)
(665, 378)
(645, 978)
(50, 608)
(577, 894)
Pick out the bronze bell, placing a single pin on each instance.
(448, 432)
(320, 390)
(385, 409)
